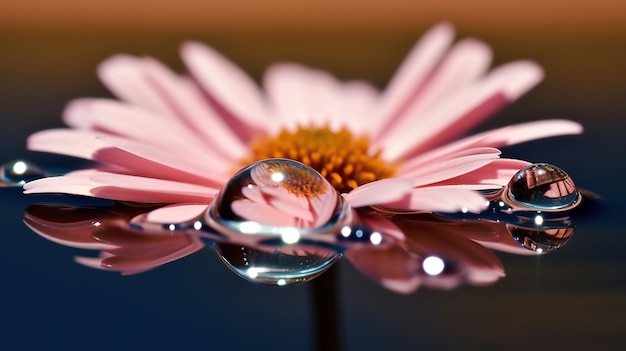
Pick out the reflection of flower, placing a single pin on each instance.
(275, 206)
(121, 248)
(176, 139)
(291, 198)
(403, 266)
(407, 259)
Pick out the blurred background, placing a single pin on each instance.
(572, 298)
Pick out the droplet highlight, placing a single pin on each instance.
(542, 186)
(286, 265)
(20, 172)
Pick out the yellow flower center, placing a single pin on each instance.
(340, 157)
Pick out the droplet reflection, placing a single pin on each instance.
(544, 187)
(19, 172)
(279, 197)
(276, 266)
(541, 240)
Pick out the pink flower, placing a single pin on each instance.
(178, 139)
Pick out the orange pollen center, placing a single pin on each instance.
(344, 160)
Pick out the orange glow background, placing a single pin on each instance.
(49, 49)
(530, 15)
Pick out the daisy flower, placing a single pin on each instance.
(177, 139)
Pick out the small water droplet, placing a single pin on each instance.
(543, 187)
(541, 240)
(286, 265)
(20, 172)
(280, 198)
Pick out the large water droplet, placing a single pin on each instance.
(542, 187)
(286, 265)
(280, 202)
(19, 172)
(281, 198)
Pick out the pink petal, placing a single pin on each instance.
(178, 98)
(124, 76)
(68, 142)
(466, 62)
(177, 213)
(495, 174)
(381, 191)
(302, 96)
(504, 136)
(245, 107)
(122, 187)
(142, 159)
(135, 123)
(445, 169)
(520, 133)
(358, 99)
(408, 79)
(156, 188)
(440, 199)
(171, 161)
(68, 184)
(462, 110)
(424, 161)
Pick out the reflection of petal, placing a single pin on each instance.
(434, 238)
(263, 214)
(276, 206)
(124, 250)
(398, 266)
(323, 207)
(177, 213)
(392, 266)
(140, 252)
